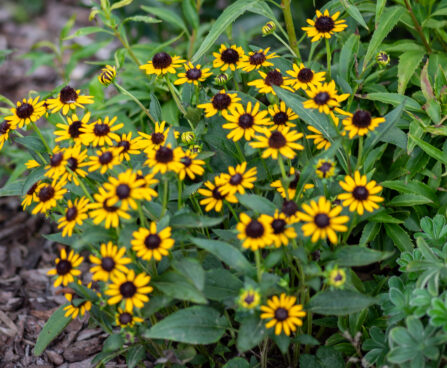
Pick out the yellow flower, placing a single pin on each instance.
(164, 159)
(127, 146)
(148, 243)
(66, 269)
(68, 99)
(238, 179)
(303, 77)
(220, 102)
(78, 305)
(193, 74)
(105, 159)
(148, 181)
(249, 298)
(111, 262)
(360, 195)
(107, 75)
(319, 140)
(257, 59)
(191, 166)
(73, 130)
(75, 214)
(31, 195)
(25, 112)
(31, 164)
(337, 277)
(57, 163)
(5, 128)
(48, 195)
(126, 319)
(360, 123)
(102, 211)
(324, 97)
(268, 80)
(101, 132)
(228, 57)
(278, 142)
(321, 221)
(162, 63)
(324, 26)
(255, 233)
(74, 162)
(291, 190)
(283, 313)
(281, 232)
(325, 169)
(149, 142)
(213, 195)
(282, 116)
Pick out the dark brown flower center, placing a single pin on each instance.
(289, 208)
(250, 298)
(305, 75)
(32, 189)
(4, 127)
(123, 191)
(257, 58)
(278, 226)
(68, 95)
(63, 267)
(280, 118)
(56, 159)
(321, 98)
(110, 209)
(230, 56)
(254, 229)
(277, 140)
(193, 74)
(361, 119)
(338, 277)
(128, 289)
(322, 220)
(274, 77)
(125, 145)
(236, 179)
(71, 213)
(46, 193)
(217, 195)
(72, 163)
(221, 101)
(74, 129)
(157, 138)
(281, 314)
(325, 167)
(186, 161)
(105, 158)
(107, 264)
(164, 155)
(24, 111)
(360, 193)
(100, 130)
(295, 181)
(161, 60)
(152, 241)
(246, 121)
(125, 318)
(324, 24)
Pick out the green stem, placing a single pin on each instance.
(284, 176)
(284, 43)
(360, 153)
(127, 47)
(177, 101)
(418, 27)
(165, 196)
(233, 212)
(37, 130)
(258, 264)
(290, 27)
(141, 214)
(84, 189)
(137, 101)
(239, 151)
(179, 199)
(329, 57)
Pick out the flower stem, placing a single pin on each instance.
(165, 196)
(177, 101)
(285, 5)
(258, 264)
(329, 57)
(284, 176)
(418, 27)
(360, 153)
(37, 130)
(142, 217)
(239, 151)
(284, 43)
(86, 192)
(230, 207)
(179, 199)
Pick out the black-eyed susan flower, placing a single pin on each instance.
(257, 59)
(125, 190)
(302, 77)
(47, 195)
(238, 179)
(244, 122)
(213, 195)
(31, 195)
(325, 168)
(111, 262)
(324, 97)
(75, 214)
(290, 210)
(25, 112)
(68, 99)
(281, 231)
(107, 75)
(336, 277)
(66, 268)
(228, 57)
(322, 221)
(57, 163)
(104, 160)
(78, 304)
(284, 314)
(255, 233)
(278, 142)
(5, 128)
(291, 190)
(150, 243)
(162, 63)
(360, 195)
(101, 132)
(268, 80)
(360, 123)
(131, 288)
(324, 26)
(73, 130)
(75, 160)
(148, 142)
(101, 211)
(148, 181)
(165, 158)
(282, 116)
(249, 298)
(193, 74)
(319, 140)
(191, 166)
(220, 102)
(127, 146)
(31, 164)
(126, 319)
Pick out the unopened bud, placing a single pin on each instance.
(107, 75)
(268, 28)
(188, 137)
(221, 79)
(382, 58)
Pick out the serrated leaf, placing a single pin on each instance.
(408, 63)
(351, 256)
(430, 150)
(121, 4)
(347, 58)
(142, 18)
(400, 238)
(12, 189)
(257, 203)
(339, 302)
(354, 12)
(395, 99)
(85, 31)
(168, 16)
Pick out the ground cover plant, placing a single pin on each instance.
(253, 188)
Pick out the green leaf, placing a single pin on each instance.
(52, 328)
(226, 253)
(251, 332)
(86, 31)
(229, 15)
(176, 286)
(382, 217)
(192, 270)
(237, 363)
(409, 200)
(400, 238)
(339, 302)
(193, 220)
(354, 12)
(389, 18)
(395, 99)
(12, 189)
(194, 325)
(142, 18)
(350, 256)
(430, 150)
(412, 187)
(190, 13)
(257, 203)
(222, 285)
(113, 343)
(408, 64)
(167, 15)
(347, 58)
(135, 355)
(120, 4)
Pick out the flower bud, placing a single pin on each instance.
(268, 28)
(221, 79)
(107, 75)
(188, 137)
(382, 58)
(195, 148)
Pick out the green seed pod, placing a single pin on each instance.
(268, 28)
(107, 75)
